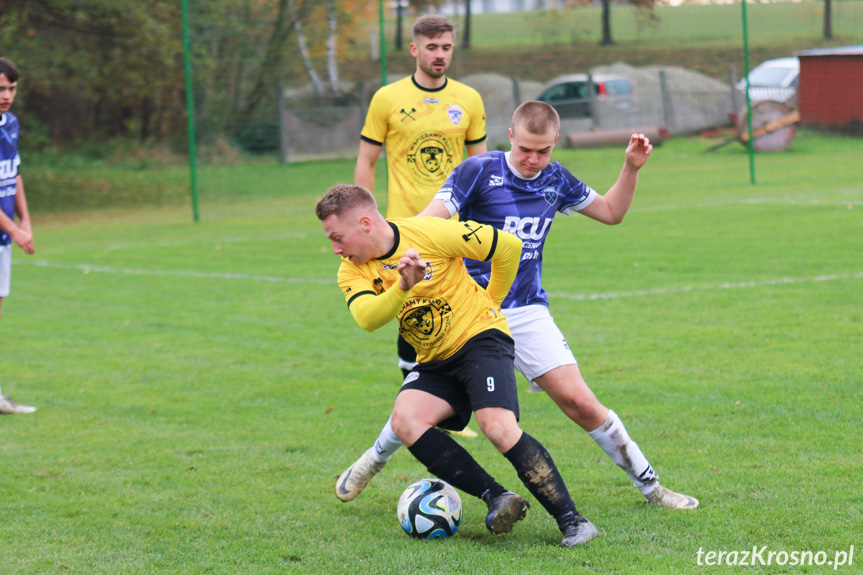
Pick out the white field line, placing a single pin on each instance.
(87, 268)
(214, 242)
(689, 289)
(208, 241)
(780, 201)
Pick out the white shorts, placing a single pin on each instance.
(5, 269)
(539, 344)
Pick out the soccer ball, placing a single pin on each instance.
(430, 508)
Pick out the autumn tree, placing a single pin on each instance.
(95, 70)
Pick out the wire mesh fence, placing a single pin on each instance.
(291, 81)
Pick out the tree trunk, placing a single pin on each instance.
(828, 20)
(399, 11)
(332, 56)
(606, 23)
(317, 85)
(467, 18)
(272, 59)
(245, 54)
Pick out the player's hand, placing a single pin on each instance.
(412, 269)
(638, 151)
(24, 239)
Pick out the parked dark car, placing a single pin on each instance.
(570, 94)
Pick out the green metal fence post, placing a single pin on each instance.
(749, 145)
(190, 110)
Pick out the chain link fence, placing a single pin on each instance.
(294, 85)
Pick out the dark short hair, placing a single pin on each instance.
(9, 69)
(431, 26)
(342, 198)
(538, 118)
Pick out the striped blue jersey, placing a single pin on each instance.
(488, 190)
(9, 162)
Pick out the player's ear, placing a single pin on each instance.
(365, 224)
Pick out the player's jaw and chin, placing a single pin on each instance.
(531, 153)
(434, 69)
(434, 65)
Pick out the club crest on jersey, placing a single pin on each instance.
(430, 158)
(550, 195)
(455, 114)
(424, 322)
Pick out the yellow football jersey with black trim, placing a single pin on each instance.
(447, 307)
(425, 132)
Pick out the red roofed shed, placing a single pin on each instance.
(830, 91)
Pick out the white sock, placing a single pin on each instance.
(615, 441)
(386, 444)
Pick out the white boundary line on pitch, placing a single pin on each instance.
(755, 201)
(87, 268)
(204, 241)
(689, 289)
(88, 246)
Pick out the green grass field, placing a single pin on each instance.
(690, 26)
(200, 385)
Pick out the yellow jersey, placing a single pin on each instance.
(425, 132)
(447, 307)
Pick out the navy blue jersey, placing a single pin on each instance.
(486, 189)
(9, 162)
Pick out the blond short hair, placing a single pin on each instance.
(538, 118)
(343, 198)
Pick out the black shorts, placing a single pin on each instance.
(479, 375)
(406, 351)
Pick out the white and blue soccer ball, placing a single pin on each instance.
(430, 508)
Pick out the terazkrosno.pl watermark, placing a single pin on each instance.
(763, 556)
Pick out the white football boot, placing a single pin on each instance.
(668, 498)
(355, 478)
(9, 406)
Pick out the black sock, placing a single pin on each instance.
(448, 460)
(537, 471)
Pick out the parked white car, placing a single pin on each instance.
(773, 80)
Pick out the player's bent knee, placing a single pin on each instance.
(408, 429)
(500, 426)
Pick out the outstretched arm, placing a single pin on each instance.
(610, 208)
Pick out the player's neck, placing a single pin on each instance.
(423, 80)
(385, 238)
